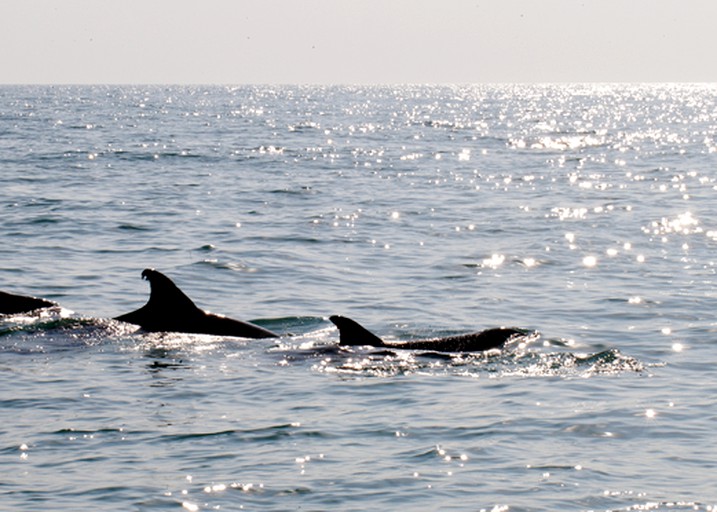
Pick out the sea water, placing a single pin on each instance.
(585, 212)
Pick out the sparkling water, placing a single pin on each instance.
(585, 212)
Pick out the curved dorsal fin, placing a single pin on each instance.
(351, 333)
(165, 294)
(167, 308)
(170, 310)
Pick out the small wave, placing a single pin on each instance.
(45, 220)
(224, 265)
(295, 325)
(657, 506)
(58, 334)
(261, 434)
(294, 192)
(568, 364)
(73, 325)
(561, 142)
(149, 156)
(304, 126)
(17, 322)
(132, 227)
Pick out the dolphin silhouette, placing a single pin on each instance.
(11, 304)
(352, 333)
(170, 310)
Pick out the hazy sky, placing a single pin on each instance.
(357, 41)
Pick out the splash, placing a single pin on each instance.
(356, 361)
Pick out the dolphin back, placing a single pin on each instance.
(475, 342)
(224, 326)
(11, 304)
(352, 333)
(170, 310)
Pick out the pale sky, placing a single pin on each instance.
(357, 41)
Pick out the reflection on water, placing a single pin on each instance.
(493, 365)
(585, 212)
(163, 366)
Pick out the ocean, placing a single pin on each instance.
(586, 212)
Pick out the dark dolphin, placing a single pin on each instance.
(11, 304)
(170, 310)
(351, 333)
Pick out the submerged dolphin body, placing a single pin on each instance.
(11, 304)
(351, 333)
(170, 310)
